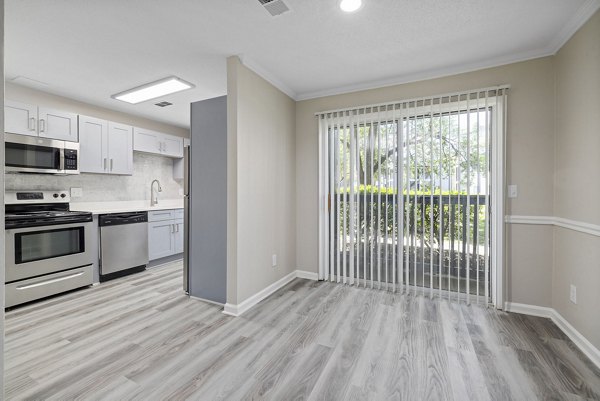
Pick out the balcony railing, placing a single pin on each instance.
(442, 244)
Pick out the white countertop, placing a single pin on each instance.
(126, 206)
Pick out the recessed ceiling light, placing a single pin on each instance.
(153, 90)
(350, 6)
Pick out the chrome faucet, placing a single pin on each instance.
(154, 195)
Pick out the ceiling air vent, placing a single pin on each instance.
(163, 104)
(274, 7)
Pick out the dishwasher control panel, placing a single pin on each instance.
(117, 219)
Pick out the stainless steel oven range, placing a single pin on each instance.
(48, 247)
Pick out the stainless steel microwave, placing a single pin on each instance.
(32, 154)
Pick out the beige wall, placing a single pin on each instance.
(32, 96)
(577, 188)
(233, 66)
(265, 182)
(530, 164)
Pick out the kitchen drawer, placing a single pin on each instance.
(178, 214)
(34, 288)
(160, 215)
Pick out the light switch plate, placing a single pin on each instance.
(512, 191)
(573, 294)
(76, 192)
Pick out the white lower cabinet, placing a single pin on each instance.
(165, 233)
(178, 236)
(161, 241)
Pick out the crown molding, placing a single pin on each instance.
(582, 15)
(426, 75)
(267, 75)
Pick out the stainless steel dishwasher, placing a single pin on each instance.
(123, 243)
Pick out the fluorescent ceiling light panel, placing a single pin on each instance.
(153, 90)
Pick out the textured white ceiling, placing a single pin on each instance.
(90, 49)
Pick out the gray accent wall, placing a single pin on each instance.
(208, 200)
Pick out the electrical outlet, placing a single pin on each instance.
(512, 191)
(76, 192)
(573, 294)
(274, 260)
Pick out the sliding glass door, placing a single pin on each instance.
(408, 190)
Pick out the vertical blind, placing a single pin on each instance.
(406, 190)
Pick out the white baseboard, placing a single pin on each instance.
(238, 309)
(533, 310)
(307, 275)
(578, 339)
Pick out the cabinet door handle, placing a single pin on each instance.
(111, 164)
(32, 124)
(42, 125)
(177, 227)
(105, 163)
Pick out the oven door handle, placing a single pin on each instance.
(54, 280)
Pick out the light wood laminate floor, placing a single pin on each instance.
(141, 338)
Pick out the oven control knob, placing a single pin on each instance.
(63, 195)
(55, 195)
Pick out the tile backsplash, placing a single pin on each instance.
(101, 187)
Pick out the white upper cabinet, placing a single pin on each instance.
(105, 147)
(145, 140)
(178, 163)
(120, 148)
(149, 141)
(93, 145)
(20, 118)
(28, 119)
(57, 125)
(172, 146)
